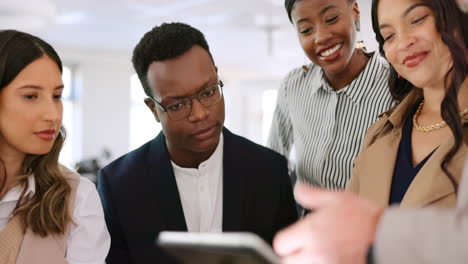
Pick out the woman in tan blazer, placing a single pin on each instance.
(48, 214)
(413, 156)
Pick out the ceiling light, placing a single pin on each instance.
(26, 14)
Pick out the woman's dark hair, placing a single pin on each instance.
(452, 26)
(289, 5)
(47, 212)
(18, 50)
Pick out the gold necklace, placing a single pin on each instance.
(442, 124)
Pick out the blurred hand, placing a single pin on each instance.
(463, 4)
(340, 229)
(3, 180)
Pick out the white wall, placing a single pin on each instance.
(103, 111)
(104, 81)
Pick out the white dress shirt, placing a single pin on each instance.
(89, 240)
(201, 192)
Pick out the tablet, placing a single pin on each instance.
(217, 248)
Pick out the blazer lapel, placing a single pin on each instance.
(378, 160)
(160, 169)
(431, 183)
(463, 190)
(381, 157)
(233, 185)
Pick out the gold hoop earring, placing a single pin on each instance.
(305, 68)
(360, 44)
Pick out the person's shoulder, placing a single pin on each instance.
(382, 120)
(129, 170)
(254, 151)
(132, 158)
(87, 201)
(303, 72)
(381, 65)
(85, 188)
(295, 73)
(260, 163)
(72, 175)
(69, 174)
(73, 178)
(377, 129)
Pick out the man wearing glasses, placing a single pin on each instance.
(195, 176)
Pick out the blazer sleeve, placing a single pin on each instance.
(426, 235)
(118, 253)
(287, 213)
(429, 236)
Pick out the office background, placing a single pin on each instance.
(252, 41)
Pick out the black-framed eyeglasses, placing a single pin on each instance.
(182, 108)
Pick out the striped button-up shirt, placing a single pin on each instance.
(326, 126)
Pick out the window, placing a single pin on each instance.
(143, 126)
(249, 108)
(268, 107)
(68, 154)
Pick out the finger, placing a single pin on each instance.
(313, 198)
(302, 257)
(463, 4)
(293, 238)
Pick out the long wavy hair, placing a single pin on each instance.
(47, 211)
(452, 26)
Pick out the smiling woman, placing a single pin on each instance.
(41, 202)
(324, 108)
(415, 154)
(31, 109)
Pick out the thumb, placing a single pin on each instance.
(311, 197)
(463, 4)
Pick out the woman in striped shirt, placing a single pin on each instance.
(324, 109)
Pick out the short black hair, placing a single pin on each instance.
(167, 41)
(289, 5)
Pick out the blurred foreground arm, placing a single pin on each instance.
(343, 226)
(427, 235)
(340, 229)
(422, 236)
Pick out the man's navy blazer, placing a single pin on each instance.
(140, 197)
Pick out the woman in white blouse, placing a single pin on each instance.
(48, 214)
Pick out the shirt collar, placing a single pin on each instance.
(216, 156)
(313, 77)
(360, 85)
(398, 116)
(15, 193)
(210, 162)
(366, 79)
